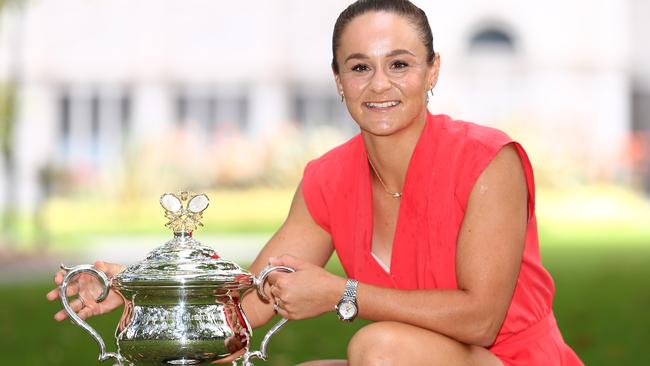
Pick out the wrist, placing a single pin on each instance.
(336, 290)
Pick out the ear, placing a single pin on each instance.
(337, 80)
(434, 71)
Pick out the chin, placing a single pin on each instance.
(381, 129)
(386, 123)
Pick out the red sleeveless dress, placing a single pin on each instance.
(448, 158)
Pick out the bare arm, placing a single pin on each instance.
(488, 259)
(299, 236)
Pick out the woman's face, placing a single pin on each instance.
(383, 72)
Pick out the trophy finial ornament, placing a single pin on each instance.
(184, 210)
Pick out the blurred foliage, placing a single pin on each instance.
(601, 215)
(70, 222)
(601, 305)
(189, 158)
(595, 214)
(7, 114)
(8, 104)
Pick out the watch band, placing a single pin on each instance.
(350, 291)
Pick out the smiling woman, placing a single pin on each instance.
(433, 219)
(385, 72)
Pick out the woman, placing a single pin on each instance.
(433, 220)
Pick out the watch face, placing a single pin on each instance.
(347, 310)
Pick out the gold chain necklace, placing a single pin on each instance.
(393, 194)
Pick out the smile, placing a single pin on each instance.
(378, 105)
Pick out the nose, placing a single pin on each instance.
(380, 81)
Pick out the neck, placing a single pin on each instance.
(391, 154)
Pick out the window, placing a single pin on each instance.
(639, 145)
(313, 107)
(492, 38)
(212, 110)
(640, 110)
(493, 84)
(93, 124)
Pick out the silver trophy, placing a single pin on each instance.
(182, 303)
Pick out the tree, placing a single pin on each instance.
(8, 114)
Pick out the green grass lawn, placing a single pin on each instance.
(601, 304)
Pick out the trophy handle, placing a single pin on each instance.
(71, 273)
(259, 283)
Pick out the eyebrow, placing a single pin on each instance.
(390, 54)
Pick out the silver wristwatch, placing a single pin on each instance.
(347, 308)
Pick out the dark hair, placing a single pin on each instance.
(402, 7)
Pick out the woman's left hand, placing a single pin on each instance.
(306, 293)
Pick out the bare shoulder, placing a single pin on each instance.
(505, 162)
(504, 176)
(299, 213)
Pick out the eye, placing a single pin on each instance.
(360, 68)
(399, 65)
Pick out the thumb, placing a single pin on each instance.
(288, 261)
(100, 265)
(111, 269)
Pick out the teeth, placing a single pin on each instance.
(382, 105)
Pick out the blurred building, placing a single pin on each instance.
(569, 79)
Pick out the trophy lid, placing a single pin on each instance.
(183, 261)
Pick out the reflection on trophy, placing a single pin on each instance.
(182, 303)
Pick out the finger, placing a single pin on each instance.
(58, 277)
(275, 276)
(76, 305)
(111, 269)
(53, 294)
(85, 313)
(288, 261)
(280, 302)
(267, 290)
(283, 313)
(272, 278)
(72, 289)
(275, 292)
(101, 265)
(61, 315)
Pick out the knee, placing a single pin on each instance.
(375, 344)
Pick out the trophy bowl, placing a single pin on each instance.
(182, 302)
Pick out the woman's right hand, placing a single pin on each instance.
(87, 287)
